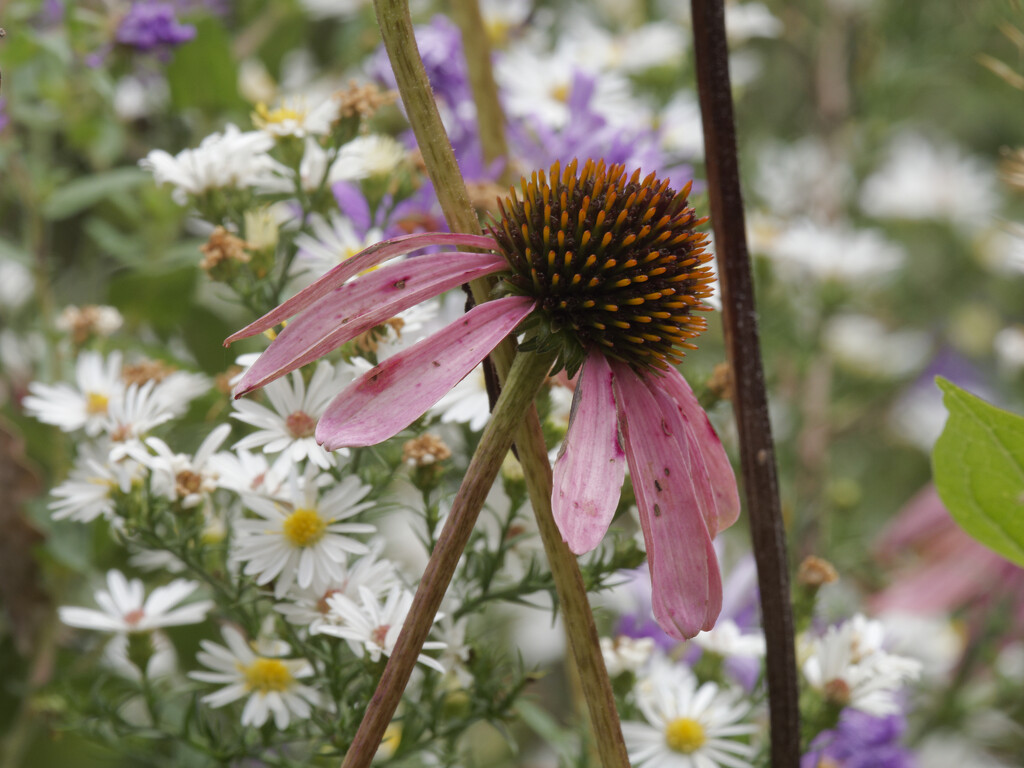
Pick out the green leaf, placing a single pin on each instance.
(75, 196)
(978, 466)
(203, 73)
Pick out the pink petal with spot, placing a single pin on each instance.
(708, 448)
(591, 466)
(391, 396)
(365, 259)
(359, 305)
(686, 582)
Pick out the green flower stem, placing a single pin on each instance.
(400, 42)
(572, 598)
(528, 373)
(489, 115)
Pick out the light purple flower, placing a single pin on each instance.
(150, 26)
(861, 741)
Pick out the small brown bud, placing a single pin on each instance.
(720, 383)
(222, 253)
(222, 381)
(816, 572)
(424, 451)
(146, 370)
(363, 101)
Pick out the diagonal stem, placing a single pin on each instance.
(750, 401)
(524, 381)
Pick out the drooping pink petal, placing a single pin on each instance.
(708, 448)
(591, 466)
(365, 259)
(391, 396)
(686, 582)
(356, 306)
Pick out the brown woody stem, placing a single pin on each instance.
(750, 401)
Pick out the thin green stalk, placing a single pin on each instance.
(524, 381)
(489, 116)
(414, 88)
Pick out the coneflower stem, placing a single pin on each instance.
(750, 401)
(414, 88)
(528, 373)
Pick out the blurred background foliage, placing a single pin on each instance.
(848, 75)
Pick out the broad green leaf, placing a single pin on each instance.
(203, 74)
(75, 196)
(978, 465)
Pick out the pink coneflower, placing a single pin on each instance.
(607, 271)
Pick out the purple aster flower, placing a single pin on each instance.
(150, 26)
(861, 741)
(590, 134)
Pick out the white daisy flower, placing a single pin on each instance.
(456, 653)
(289, 425)
(834, 252)
(88, 492)
(161, 658)
(245, 472)
(538, 85)
(373, 155)
(688, 725)
(848, 666)
(125, 607)
(179, 388)
(185, 479)
(372, 629)
(308, 606)
(272, 684)
(317, 167)
(331, 243)
(626, 654)
(340, 9)
(98, 383)
(726, 640)
(294, 117)
(129, 421)
(301, 540)
(231, 159)
(925, 180)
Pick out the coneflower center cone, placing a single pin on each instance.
(613, 261)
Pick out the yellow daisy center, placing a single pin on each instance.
(267, 675)
(300, 424)
(684, 734)
(304, 527)
(96, 402)
(282, 114)
(561, 93)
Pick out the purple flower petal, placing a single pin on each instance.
(708, 450)
(685, 580)
(356, 306)
(391, 396)
(370, 257)
(591, 466)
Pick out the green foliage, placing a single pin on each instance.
(978, 466)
